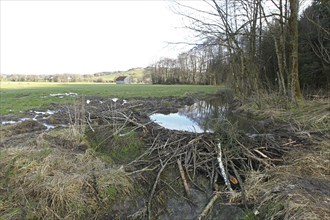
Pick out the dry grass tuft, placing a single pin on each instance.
(307, 114)
(57, 184)
(77, 120)
(297, 190)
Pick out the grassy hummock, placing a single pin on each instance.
(48, 183)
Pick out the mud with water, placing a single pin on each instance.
(183, 118)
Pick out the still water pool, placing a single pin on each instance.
(194, 118)
(176, 121)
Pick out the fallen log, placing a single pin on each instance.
(183, 177)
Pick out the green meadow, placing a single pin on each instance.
(21, 96)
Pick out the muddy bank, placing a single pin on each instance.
(172, 174)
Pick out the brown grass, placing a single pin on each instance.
(306, 113)
(298, 188)
(45, 183)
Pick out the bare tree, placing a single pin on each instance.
(232, 25)
(293, 81)
(236, 26)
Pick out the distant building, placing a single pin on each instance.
(123, 80)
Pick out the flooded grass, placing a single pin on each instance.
(56, 175)
(20, 96)
(111, 161)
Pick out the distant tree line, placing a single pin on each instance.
(100, 77)
(62, 78)
(196, 66)
(253, 48)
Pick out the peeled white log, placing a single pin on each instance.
(222, 168)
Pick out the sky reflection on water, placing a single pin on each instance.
(176, 121)
(192, 118)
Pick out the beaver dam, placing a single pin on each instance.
(161, 158)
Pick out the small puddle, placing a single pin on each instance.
(37, 115)
(62, 95)
(194, 118)
(175, 121)
(8, 122)
(113, 100)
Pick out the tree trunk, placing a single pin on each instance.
(293, 28)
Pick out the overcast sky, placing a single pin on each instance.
(57, 36)
(48, 37)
